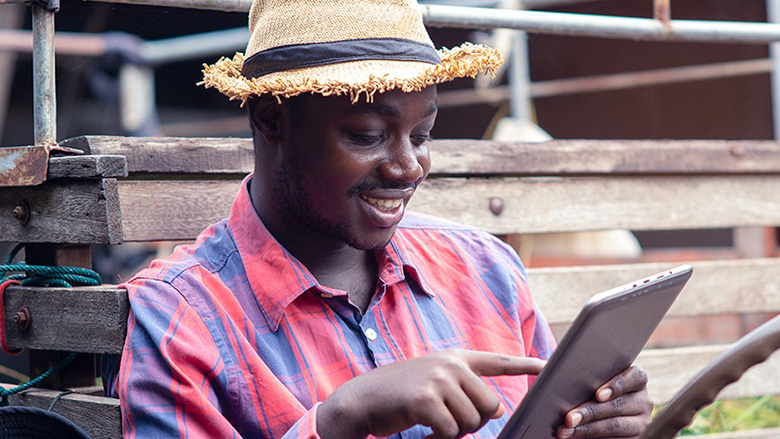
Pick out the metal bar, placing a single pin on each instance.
(773, 16)
(618, 81)
(44, 96)
(67, 43)
(646, 29)
(194, 46)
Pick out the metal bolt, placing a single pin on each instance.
(496, 205)
(22, 213)
(22, 318)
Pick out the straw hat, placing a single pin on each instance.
(341, 47)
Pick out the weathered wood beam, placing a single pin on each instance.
(716, 287)
(98, 416)
(171, 155)
(65, 211)
(150, 155)
(82, 319)
(87, 166)
(180, 209)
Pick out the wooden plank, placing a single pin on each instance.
(98, 416)
(81, 319)
(571, 157)
(467, 157)
(87, 166)
(179, 210)
(66, 211)
(670, 369)
(171, 155)
(553, 204)
(173, 210)
(716, 287)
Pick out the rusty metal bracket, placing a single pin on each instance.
(27, 165)
(50, 5)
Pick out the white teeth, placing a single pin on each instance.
(381, 204)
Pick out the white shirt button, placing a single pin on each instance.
(370, 334)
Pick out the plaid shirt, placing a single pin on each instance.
(233, 337)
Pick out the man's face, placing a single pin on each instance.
(349, 170)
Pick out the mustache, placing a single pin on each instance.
(373, 185)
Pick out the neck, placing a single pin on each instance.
(332, 262)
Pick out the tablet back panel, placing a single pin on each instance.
(603, 341)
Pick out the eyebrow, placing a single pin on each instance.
(386, 110)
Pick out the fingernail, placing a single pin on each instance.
(565, 432)
(499, 412)
(604, 394)
(575, 418)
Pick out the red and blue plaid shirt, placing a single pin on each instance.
(233, 337)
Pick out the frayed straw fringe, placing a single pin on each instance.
(466, 60)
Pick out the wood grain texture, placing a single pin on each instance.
(572, 157)
(670, 369)
(716, 287)
(467, 157)
(554, 204)
(98, 416)
(175, 209)
(82, 319)
(87, 166)
(180, 209)
(172, 155)
(65, 211)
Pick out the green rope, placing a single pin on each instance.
(5, 393)
(44, 275)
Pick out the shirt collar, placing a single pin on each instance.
(277, 278)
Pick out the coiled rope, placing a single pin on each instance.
(41, 275)
(47, 276)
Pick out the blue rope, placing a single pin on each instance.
(42, 275)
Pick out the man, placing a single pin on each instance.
(320, 308)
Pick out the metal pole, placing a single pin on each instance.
(44, 96)
(646, 29)
(773, 16)
(519, 79)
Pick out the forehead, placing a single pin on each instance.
(394, 104)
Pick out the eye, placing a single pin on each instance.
(419, 139)
(365, 139)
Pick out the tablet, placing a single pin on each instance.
(603, 341)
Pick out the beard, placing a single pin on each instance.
(295, 205)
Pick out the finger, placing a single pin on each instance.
(633, 404)
(492, 364)
(438, 417)
(483, 398)
(465, 413)
(625, 426)
(633, 379)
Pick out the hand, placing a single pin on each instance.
(622, 409)
(443, 391)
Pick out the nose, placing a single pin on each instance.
(406, 162)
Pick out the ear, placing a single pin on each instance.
(265, 115)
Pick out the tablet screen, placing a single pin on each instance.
(603, 341)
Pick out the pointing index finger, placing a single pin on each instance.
(492, 364)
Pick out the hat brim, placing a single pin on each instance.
(352, 78)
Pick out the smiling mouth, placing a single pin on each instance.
(382, 204)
